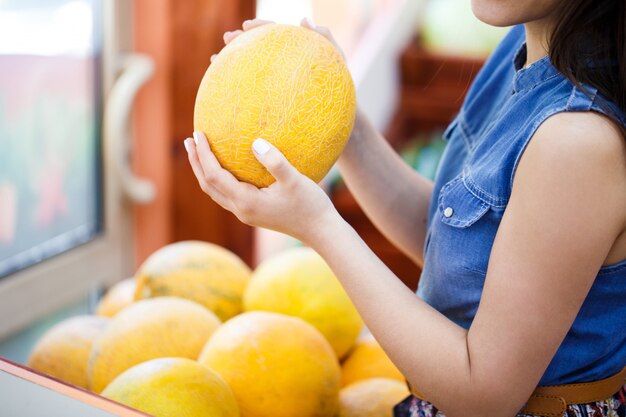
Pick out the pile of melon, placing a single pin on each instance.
(197, 333)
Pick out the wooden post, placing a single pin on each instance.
(181, 36)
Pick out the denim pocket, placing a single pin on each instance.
(458, 206)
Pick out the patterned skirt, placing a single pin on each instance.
(614, 406)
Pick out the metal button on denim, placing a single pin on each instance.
(448, 212)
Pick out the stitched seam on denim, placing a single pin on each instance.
(467, 222)
(426, 243)
(618, 117)
(484, 207)
(443, 191)
(593, 97)
(574, 94)
(533, 130)
(451, 127)
(611, 269)
(464, 132)
(570, 99)
(533, 86)
(476, 271)
(497, 202)
(476, 191)
(535, 64)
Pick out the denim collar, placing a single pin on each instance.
(536, 73)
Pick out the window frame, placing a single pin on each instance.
(34, 292)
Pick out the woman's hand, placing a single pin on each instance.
(306, 23)
(294, 204)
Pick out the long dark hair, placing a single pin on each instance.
(588, 45)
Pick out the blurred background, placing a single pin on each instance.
(96, 98)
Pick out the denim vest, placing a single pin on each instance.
(502, 110)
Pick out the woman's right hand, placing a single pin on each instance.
(306, 23)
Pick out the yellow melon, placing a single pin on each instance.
(286, 84)
(368, 360)
(199, 271)
(374, 397)
(149, 329)
(116, 298)
(63, 351)
(277, 366)
(298, 282)
(173, 387)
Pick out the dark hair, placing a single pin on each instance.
(588, 45)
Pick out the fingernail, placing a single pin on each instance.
(187, 145)
(226, 34)
(310, 23)
(245, 22)
(213, 57)
(196, 136)
(260, 146)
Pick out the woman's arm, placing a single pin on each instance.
(394, 197)
(557, 230)
(565, 212)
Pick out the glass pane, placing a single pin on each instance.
(50, 194)
(18, 346)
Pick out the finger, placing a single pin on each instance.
(322, 30)
(274, 161)
(308, 23)
(213, 57)
(223, 201)
(251, 24)
(214, 174)
(195, 162)
(212, 192)
(235, 196)
(229, 36)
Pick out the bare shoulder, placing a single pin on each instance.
(578, 152)
(587, 135)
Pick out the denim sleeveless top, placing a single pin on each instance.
(503, 108)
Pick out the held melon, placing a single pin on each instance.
(173, 387)
(286, 84)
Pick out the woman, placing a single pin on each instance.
(522, 236)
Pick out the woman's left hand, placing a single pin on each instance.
(294, 204)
